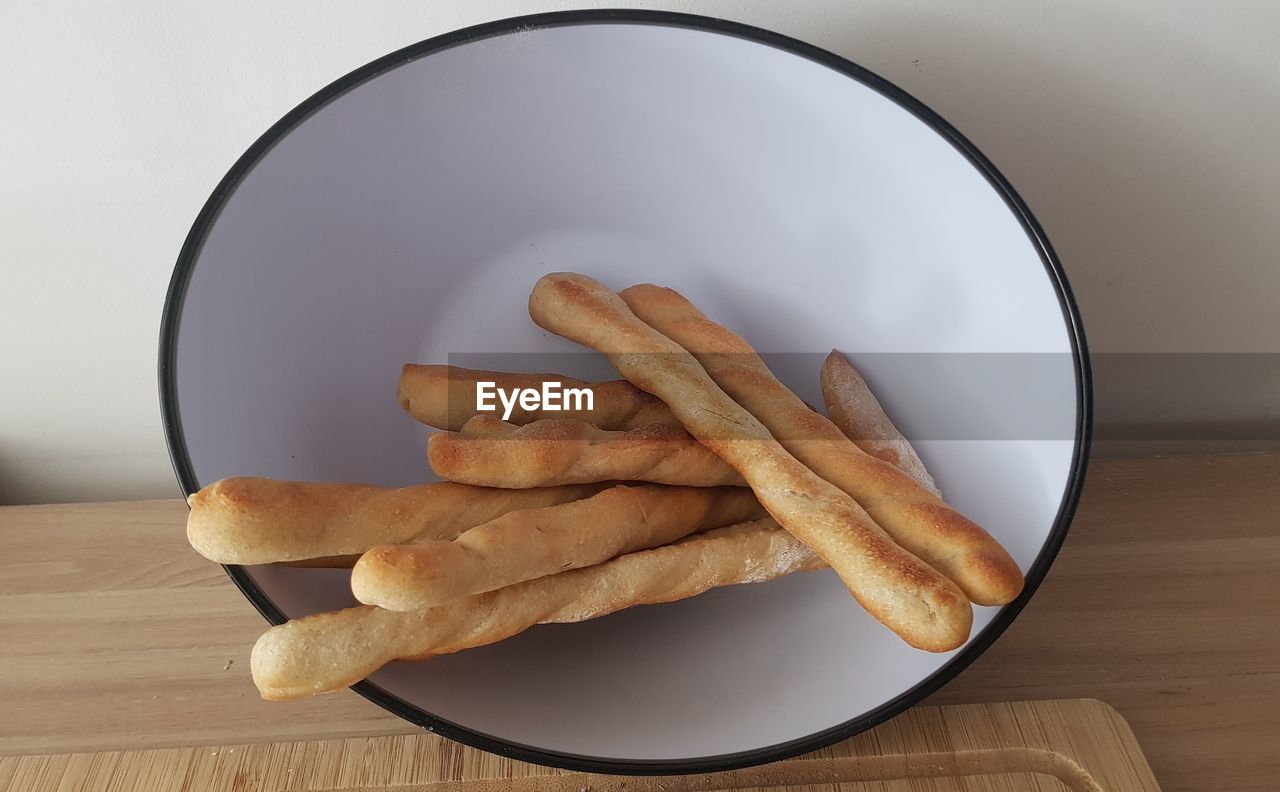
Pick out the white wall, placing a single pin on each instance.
(1143, 133)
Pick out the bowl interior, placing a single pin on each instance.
(407, 219)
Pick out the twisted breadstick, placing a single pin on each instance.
(915, 518)
(328, 651)
(530, 543)
(898, 589)
(264, 521)
(493, 453)
(856, 411)
(445, 397)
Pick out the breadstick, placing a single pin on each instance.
(264, 521)
(530, 543)
(401, 577)
(492, 453)
(915, 518)
(924, 608)
(329, 651)
(856, 412)
(445, 397)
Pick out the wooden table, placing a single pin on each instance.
(1163, 602)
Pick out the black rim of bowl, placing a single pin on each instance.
(1084, 399)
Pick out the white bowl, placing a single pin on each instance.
(403, 214)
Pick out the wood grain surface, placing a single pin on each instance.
(1040, 746)
(115, 635)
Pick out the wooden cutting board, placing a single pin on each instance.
(1042, 746)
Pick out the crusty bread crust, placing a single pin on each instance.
(530, 543)
(917, 519)
(329, 651)
(493, 453)
(265, 521)
(923, 607)
(857, 413)
(445, 397)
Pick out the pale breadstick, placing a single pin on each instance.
(264, 521)
(530, 543)
(492, 453)
(445, 397)
(924, 608)
(856, 411)
(917, 519)
(328, 651)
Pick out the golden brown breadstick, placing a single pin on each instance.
(328, 651)
(530, 543)
(856, 412)
(264, 521)
(445, 397)
(492, 453)
(914, 517)
(924, 608)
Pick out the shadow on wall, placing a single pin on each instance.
(1135, 172)
(30, 475)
